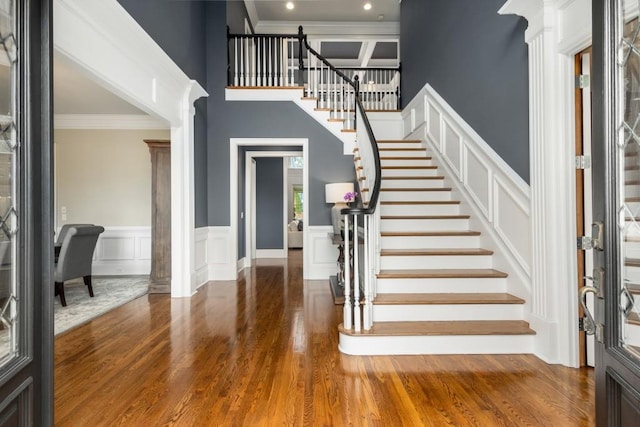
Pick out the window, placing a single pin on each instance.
(298, 198)
(296, 162)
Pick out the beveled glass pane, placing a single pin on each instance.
(629, 189)
(9, 289)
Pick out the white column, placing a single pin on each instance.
(553, 274)
(183, 275)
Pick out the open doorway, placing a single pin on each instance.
(271, 213)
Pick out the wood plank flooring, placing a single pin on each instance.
(262, 351)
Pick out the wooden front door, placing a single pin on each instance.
(616, 210)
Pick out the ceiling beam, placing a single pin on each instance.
(366, 51)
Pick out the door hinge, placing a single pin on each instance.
(582, 81)
(581, 324)
(583, 162)
(585, 243)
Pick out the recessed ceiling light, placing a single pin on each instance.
(290, 5)
(367, 6)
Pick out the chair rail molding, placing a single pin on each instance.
(131, 64)
(557, 31)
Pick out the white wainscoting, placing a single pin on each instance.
(322, 253)
(123, 251)
(214, 260)
(386, 125)
(498, 197)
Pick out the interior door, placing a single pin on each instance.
(26, 214)
(616, 210)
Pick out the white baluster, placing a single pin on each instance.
(368, 304)
(323, 83)
(235, 61)
(347, 321)
(336, 95)
(357, 310)
(269, 63)
(241, 69)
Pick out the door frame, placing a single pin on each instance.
(250, 201)
(234, 145)
(84, 34)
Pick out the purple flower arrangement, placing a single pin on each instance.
(350, 196)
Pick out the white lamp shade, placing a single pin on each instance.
(334, 192)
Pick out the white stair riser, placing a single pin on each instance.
(448, 209)
(430, 242)
(456, 344)
(424, 224)
(412, 183)
(632, 249)
(632, 334)
(383, 145)
(631, 175)
(439, 285)
(409, 172)
(632, 274)
(404, 153)
(416, 162)
(632, 190)
(416, 262)
(432, 312)
(414, 196)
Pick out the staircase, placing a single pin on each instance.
(437, 292)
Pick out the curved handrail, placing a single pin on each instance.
(375, 191)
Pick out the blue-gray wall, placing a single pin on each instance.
(477, 60)
(269, 203)
(179, 29)
(242, 119)
(236, 14)
(194, 35)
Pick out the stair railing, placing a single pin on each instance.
(333, 88)
(278, 60)
(379, 87)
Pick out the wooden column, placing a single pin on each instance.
(160, 276)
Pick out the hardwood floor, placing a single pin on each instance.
(263, 351)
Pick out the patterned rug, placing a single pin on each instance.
(110, 292)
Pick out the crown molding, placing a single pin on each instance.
(108, 122)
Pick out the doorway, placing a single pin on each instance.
(272, 215)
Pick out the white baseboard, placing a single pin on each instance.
(123, 251)
(215, 262)
(271, 253)
(498, 197)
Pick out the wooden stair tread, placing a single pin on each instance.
(392, 217)
(632, 262)
(417, 189)
(348, 130)
(449, 298)
(335, 120)
(413, 202)
(442, 273)
(401, 149)
(435, 252)
(409, 167)
(266, 87)
(404, 158)
(400, 141)
(633, 318)
(428, 233)
(308, 98)
(437, 177)
(439, 328)
(322, 109)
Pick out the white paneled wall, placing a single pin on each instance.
(499, 197)
(123, 251)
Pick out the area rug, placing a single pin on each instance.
(109, 293)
